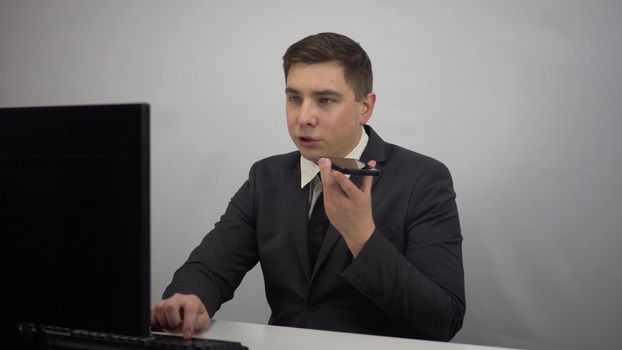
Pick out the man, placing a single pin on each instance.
(388, 258)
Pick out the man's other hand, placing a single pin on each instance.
(183, 313)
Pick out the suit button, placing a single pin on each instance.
(311, 308)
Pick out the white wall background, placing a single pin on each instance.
(521, 99)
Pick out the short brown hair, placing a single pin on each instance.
(327, 47)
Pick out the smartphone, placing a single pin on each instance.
(352, 166)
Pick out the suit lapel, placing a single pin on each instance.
(332, 236)
(297, 214)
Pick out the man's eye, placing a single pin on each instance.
(326, 101)
(293, 99)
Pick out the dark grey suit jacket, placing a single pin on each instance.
(407, 280)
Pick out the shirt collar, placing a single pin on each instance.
(309, 169)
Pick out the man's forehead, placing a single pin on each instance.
(331, 71)
(317, 78)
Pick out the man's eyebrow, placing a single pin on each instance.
(291, 90)
(326, 92)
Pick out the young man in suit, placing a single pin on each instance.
(386, 256)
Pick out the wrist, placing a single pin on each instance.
(357, 242)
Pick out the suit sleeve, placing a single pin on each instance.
(216, 267)
(422, 287)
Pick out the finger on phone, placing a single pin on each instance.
(367, 180)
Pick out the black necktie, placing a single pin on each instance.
(318, 224)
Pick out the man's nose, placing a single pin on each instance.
(307, 114)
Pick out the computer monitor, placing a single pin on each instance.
(74, 218)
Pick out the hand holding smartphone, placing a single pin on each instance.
(352, 166)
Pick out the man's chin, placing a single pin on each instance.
(312, 156)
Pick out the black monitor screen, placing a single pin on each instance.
(74, 217)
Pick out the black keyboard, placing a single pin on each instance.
(66, 338)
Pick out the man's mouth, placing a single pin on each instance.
(307, 141)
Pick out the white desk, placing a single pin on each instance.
(264, 337)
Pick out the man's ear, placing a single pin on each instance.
(367, 107)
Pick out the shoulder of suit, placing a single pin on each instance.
(405, 158)
(279, 162)
(285, 158)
